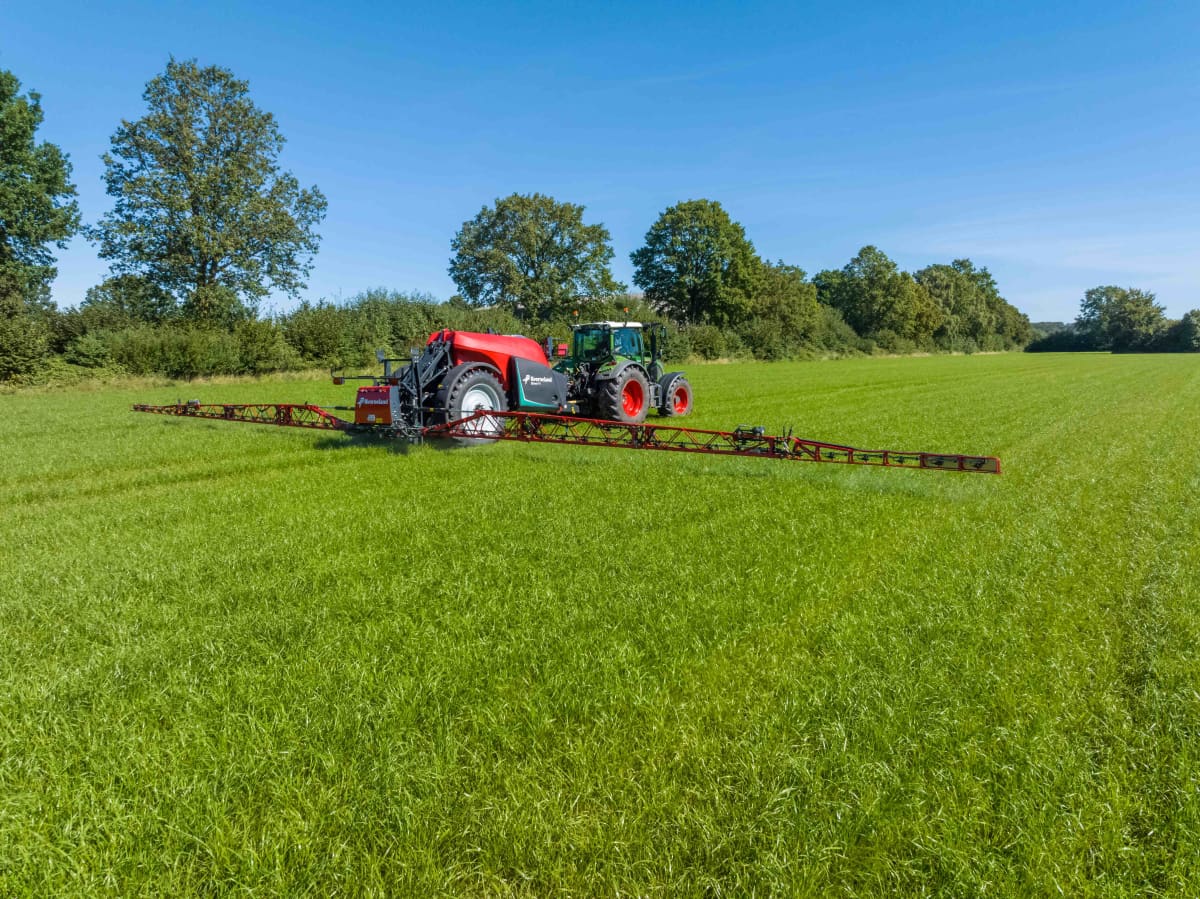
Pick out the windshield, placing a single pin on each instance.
(591, 343)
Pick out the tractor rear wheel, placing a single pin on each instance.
(626, 397)
(475, 390)
(676, 398)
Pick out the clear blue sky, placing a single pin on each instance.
(1056, 143)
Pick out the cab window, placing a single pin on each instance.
(627, 342)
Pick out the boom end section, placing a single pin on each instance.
(286, 415)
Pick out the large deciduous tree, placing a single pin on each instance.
(37, 211)
(697, 265)
(875, 297)
(533, 252)
(202, 209)
(1120, 318)
(967, 314)
(972, 307)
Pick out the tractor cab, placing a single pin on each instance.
(600, 344)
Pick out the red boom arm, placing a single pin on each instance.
(530, 427)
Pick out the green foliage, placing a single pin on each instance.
(37, 211)
(1063, 340)
(967, 299)
(263, 348)
(875, 296)
(201, 209)
(697, 265)
(532, 254)
(175, 352)
(1135, 323)
(1122, 319)
(888, 341)
(832, 335)
(89, 350)
(214, 306)
(316, 332)
(37, 200)
(784, 313)
(126, 300)
(1042, 329)
(707, 341)
(813, 680)
(1188, 333)
(24, 341)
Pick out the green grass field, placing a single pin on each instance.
(238, 659)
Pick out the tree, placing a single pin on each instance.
(1189, 333)
(37, 211)
(973, 310)
(1120, 318)
(784, 312)
(875, 298)
(697, 265)
(127, 300)
(1134, 323)
(533, 252)
(202, 210)
(1094, 312)
(967, 316)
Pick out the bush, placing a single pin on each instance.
(966, 345)
(262, 348)
(833, 334)
(708, 341)
(176, 352)
(316, 333)
(89, 351)
(24, 344)
(677, 346)
(764, 340)
(734, 347)
(887, 341)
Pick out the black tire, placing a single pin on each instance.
(677, 397)
(474, 388)
(618, 398)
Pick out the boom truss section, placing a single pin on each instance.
(744, 441)
(529, 427)
(287, 415)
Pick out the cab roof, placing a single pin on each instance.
(609, 324)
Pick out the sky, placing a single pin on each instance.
(1056, 143)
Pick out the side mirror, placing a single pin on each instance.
(380, 355)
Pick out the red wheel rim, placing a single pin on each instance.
(680, 400)
(633, 397)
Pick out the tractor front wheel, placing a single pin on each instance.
(626, 397)
(676, 397)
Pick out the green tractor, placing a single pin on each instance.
(614, 375)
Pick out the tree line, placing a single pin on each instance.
(205, 224)
(1122, 320)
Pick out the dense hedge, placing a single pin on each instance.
(101, 339)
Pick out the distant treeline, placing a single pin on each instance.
(1123, 320)
(127, 325)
